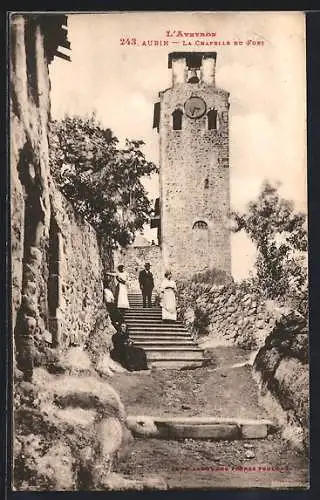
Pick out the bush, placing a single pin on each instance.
(280, 236)
(102, 181)
(212, 277)
(201, 320)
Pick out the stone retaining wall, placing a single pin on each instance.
(229, 314)
(281, 369)
(80, 273)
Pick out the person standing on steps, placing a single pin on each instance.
(146, 285)
(121, 293)
(168, 298)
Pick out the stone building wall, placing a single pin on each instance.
(69, 423)
(28, 146)
(29, 161)
(194, 181)
(56, 265)
(134, 259)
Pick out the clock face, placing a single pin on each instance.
(195, 107)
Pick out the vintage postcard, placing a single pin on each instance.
(159, 250)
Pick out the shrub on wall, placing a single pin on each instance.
(212, 276)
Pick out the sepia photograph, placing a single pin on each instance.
(159, 251)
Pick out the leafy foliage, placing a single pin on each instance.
(101, 180)
(280, 236)
(213, 276)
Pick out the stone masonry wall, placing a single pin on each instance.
(69, 423)
(29, 161)
(277, 335)
(134, 259)
(281, 370)
(194, 182)
(28, 144)
(225, 312)
(73, 284)
(80, 280)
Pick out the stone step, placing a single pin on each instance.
(137, 296)
(199, 427)
(164, 353)
(147, 321)
(144, 311)
(158, 338)
(159, 324)
(175, 364)
(146, 344)
(160, 333)
(155, 328)
(134, 294)
(167, 345)
(140, 308)
(152, 323)
(144, 317)
(139, 303)
(151, 331)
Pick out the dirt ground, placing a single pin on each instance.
(222, 389)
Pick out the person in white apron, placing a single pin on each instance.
(168, 298)
(121, 295)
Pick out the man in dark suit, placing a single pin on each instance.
(146, 284)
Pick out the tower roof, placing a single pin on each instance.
(193, 59)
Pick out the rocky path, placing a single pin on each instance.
(223, 389)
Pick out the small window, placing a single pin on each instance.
(212, 119)
(177, 119)
(200, 224)
(206, 183)
(193, 76)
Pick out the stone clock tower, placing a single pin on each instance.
(192, 119)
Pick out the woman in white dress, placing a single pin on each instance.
(121, 293)
(168, 298)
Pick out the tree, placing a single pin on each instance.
(101, 180)
(280, 236)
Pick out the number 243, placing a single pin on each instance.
(128, 41)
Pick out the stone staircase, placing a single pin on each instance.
(167, 345)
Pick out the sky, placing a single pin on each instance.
(267, 85)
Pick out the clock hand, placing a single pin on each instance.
(194, 109)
